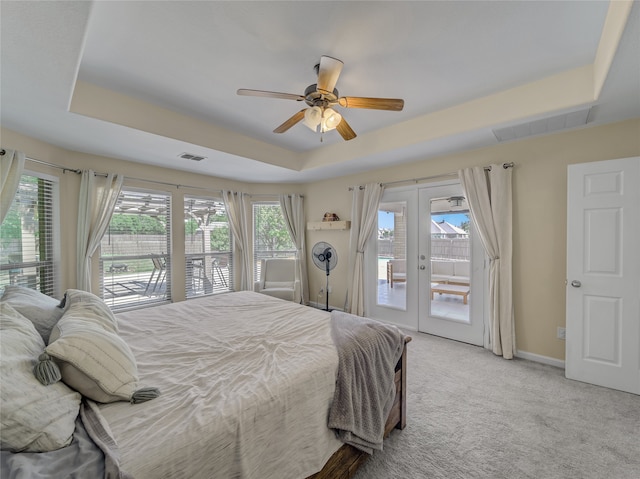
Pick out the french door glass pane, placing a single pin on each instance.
(450, 258)
(392, 255)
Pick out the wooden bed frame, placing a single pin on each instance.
(346, 460)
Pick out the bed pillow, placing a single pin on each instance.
(90, 308)
(93, 359)
(40, 309)
(33, 417)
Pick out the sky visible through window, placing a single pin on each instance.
(385, 220)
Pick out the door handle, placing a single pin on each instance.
(575, 283)
(422, 266)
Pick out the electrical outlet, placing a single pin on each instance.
(329, 289)
(562, 333)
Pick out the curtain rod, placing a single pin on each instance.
(270, 195)
(434, 177)
(64, 169)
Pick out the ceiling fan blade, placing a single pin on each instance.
(345, 130)
(393, 104)
(270, 94)
(290, 122)
(328, 73)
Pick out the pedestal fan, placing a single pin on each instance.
(325, 258)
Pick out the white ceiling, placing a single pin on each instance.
(145, 81)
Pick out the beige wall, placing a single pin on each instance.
(539, 218)
(539, 190)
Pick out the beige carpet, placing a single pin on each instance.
(472, 414)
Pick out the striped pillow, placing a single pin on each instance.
(93, 359)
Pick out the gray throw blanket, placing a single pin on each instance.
(368, 352)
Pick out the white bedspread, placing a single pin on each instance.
(246, 383)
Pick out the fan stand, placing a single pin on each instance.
(327, 261)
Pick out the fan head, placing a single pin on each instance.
(324, 256)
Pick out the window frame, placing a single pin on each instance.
(259, 254)
(143, 289)
(52, 286)
(207, 272)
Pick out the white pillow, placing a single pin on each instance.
(40, 309)
(93, 359)
(34, 418)
(90, 308)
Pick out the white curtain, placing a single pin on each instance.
(490, 202)
(364, 214)
(235, 204)
(11, 167)
(293, 212)
(97, 201)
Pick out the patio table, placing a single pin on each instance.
(444, 288)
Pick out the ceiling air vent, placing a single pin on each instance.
(189, 156)
(544, 125)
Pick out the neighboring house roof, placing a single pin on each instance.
(444, 228)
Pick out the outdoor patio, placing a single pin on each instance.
(444, 305)
(124, 288)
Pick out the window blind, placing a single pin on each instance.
(135, 259)
(27, 237)
(208, 247)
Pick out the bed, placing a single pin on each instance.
(248, 387)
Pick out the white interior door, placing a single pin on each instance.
(603, 274)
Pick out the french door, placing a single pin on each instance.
(425, 268)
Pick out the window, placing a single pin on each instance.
(135, 260)
(27, 239)
(271, 237)
(207, 245)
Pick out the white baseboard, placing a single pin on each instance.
(559, 363)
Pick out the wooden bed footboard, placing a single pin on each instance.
(345, 461)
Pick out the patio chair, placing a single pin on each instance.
(159, 273)
(396, 271)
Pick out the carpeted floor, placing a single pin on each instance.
(472, 414)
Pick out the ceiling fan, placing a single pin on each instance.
(322, 97)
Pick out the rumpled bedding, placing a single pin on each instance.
(365, 389)
(247, 382)
(80, 459)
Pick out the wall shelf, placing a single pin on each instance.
(328, 225)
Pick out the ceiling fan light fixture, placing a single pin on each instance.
(313, 117)
(330, 119)
(456, 201)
